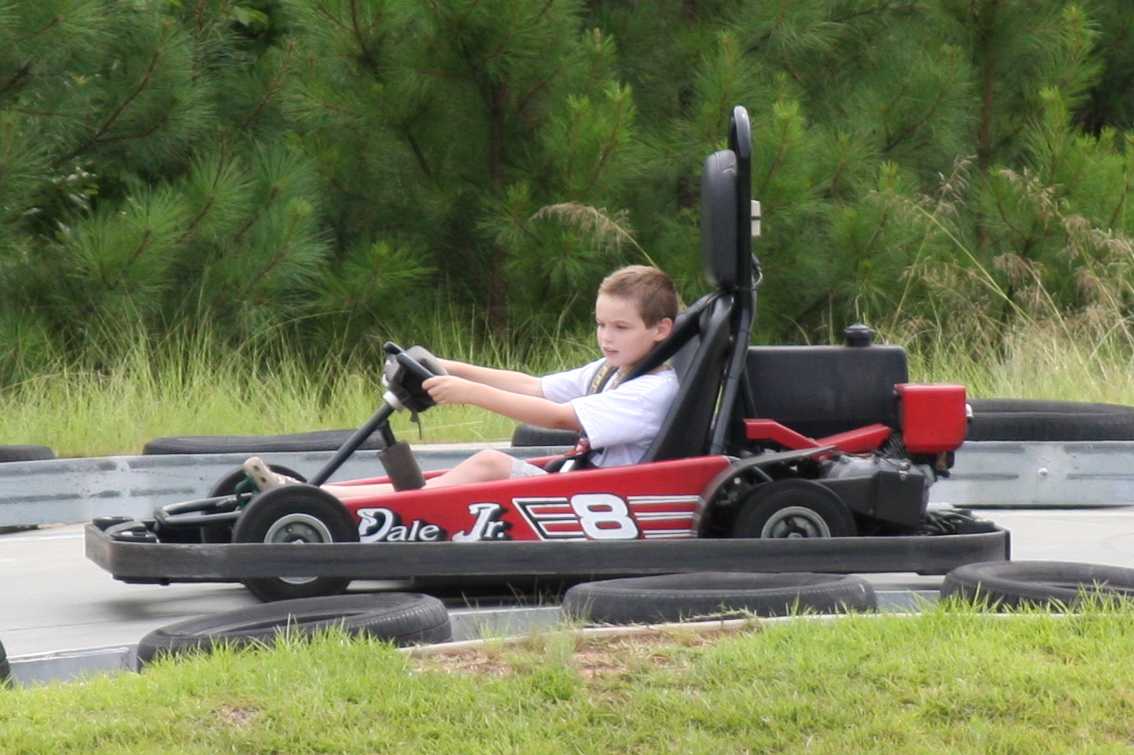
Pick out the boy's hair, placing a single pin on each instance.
(650, 289)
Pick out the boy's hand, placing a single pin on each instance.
(448, 389)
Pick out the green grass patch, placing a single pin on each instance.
(946, 680)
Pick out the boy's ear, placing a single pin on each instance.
(665, 327)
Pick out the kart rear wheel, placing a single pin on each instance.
(295, 514)
(793, 509)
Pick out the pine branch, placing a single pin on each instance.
(134, 255)
(357, 31)
(212, 197)
(18, 77)
(273, 87)
(912, 128)
(112, 119)
(607, 151)
(418, 153)
(540, 86)
(255, 218)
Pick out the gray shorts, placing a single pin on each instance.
(521, 468)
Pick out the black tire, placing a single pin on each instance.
(400, 618)
(323, 440)
(677, 597)
(26, 453)
(793, 509)
(295, 514)
(1055, 584)
(5, 668)
(1035, 420)
(533, 435)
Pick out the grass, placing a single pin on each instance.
(196, 388)
(946, 680)
(147, 392)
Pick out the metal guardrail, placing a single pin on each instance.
(991, 474)
(77, 490)
(1053, 474)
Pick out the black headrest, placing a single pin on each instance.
(719, 221)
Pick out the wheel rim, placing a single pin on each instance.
(298, 529)
(795, 522)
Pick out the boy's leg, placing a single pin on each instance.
(483, 466)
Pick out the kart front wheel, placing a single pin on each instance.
(295, 514)
(793, 509)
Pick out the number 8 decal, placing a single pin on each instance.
(604, 516)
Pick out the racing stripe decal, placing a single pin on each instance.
(605, 516)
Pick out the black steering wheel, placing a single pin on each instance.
(406, 370)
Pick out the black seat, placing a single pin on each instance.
(709, 338)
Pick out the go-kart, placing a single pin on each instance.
(772, 458)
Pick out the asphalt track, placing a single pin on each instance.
(52, 599)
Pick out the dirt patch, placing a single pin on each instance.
(595, 653)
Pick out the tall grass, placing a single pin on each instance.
(1054, 324)
(197, 387)
(113, 402)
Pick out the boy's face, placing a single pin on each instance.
(622, 334)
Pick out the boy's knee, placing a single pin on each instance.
(493, 464)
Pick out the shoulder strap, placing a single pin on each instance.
(579, 457)
(602, 377)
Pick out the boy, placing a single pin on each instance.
(634, 311)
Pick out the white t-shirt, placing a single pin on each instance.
(621, 421)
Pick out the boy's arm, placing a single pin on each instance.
(505, 380)
(537, 410)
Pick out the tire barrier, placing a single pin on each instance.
(322, 440)
(1051, 584)
(400, 618)
(1035, 420)
(532, 435)
(26, 453)
(699, 595)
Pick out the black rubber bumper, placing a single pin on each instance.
(162, 563)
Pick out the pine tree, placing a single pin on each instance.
(443, 128)
(137, 195)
